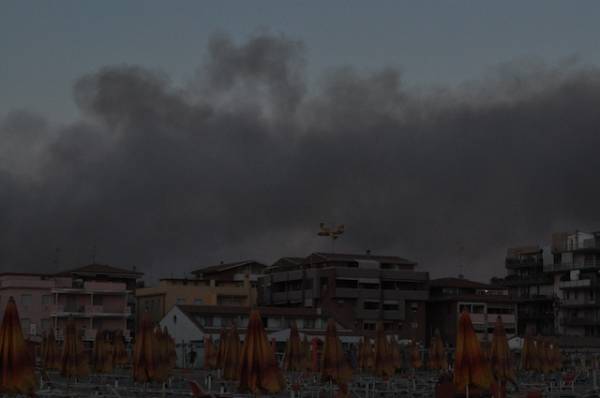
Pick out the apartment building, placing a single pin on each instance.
(575, 269)
(95, 296)
(531, 288)
(485, 302)
(356, 289)
(225, 284)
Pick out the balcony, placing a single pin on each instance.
(347, 292)
(87, 311)
(393, 315)
(571, 266)
(513, 263)
(575, 284)
(580, 321)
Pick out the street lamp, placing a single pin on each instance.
(332, 232)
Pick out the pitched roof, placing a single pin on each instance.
(364, 257)
(462, 284)
(225, 266)
(102, 269)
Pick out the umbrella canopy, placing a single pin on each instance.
(120, 357)
(469, 367)
(556, 356)
(526, 351)
(306, 350)
(16, 364)
(294, 355)
(437, 352)
(258, 366)
(314, 354)
(500, 358)
(145, 352)
(396, 354)
(73, 362)
(103, 353)
(222, 347)
(210, 356)
(232, 355)
(170, 348)
(383, 365)
(163, 366)
(334, 364)
(50, 353)
(415, 355)
(536, 353)
(366, 360)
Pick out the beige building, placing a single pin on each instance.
(232, 284)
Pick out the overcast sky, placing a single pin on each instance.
(171, 135)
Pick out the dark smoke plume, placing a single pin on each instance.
(245, 161)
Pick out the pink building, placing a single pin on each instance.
(95, 296)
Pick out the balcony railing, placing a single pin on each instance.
(571, 266)
(575, 284)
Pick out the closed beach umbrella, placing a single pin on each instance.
(415, 355)
(209, 353)
(469, 366)
(120, 357)
(16, 364)
(526, 352)
(294, 355)
(383, 365)
(103, 353)
(258, 367)
(74, 361)
(222, 348)
(50, 352)
(334, 366)
(500, 358)
(145, 352)
(367, 357)
(232, 355)
(314, 354)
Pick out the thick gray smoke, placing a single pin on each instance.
(245, 161)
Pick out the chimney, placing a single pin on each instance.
(368, 252)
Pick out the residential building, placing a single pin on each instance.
(575, 268)
(231, 284)
(531, 288)
(485, 302)
(191, 324)
(95, 296)
(356, 289)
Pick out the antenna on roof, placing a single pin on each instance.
(461, 265)
(94, 254)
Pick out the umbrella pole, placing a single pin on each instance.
(467, 390)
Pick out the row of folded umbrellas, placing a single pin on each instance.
(253, 364)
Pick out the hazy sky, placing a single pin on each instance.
(171, 135)
(46, 46)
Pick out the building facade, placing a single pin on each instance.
(356, 289)
(94, 296)
(485, 302)
(575, 267)
(532, 288)
(232, 284)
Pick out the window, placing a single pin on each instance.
(390, 306)
(97, 300)
(414, 307)
(198, 301)
(230, 300)
(180, 300)
(25, 325)
(309, 323)
(45, 325)
(47, 299)
(26, 299)
(591, 294)
(567, 295)
(371, 305)
(368, 325)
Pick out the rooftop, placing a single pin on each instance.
(364, 257)
(462, 283)
(238, 310)
(212, 269)
(102, 269)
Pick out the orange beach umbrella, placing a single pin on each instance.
(50, 353)
(16, 364)
(367, 357)
(384, 366)
(232, 355)
(469, 366)
(73, 362)
(334, 366)
(145, 352)
(500, 358)
(209, 353)
(258, 366)
(120, 357)
(294, 355)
